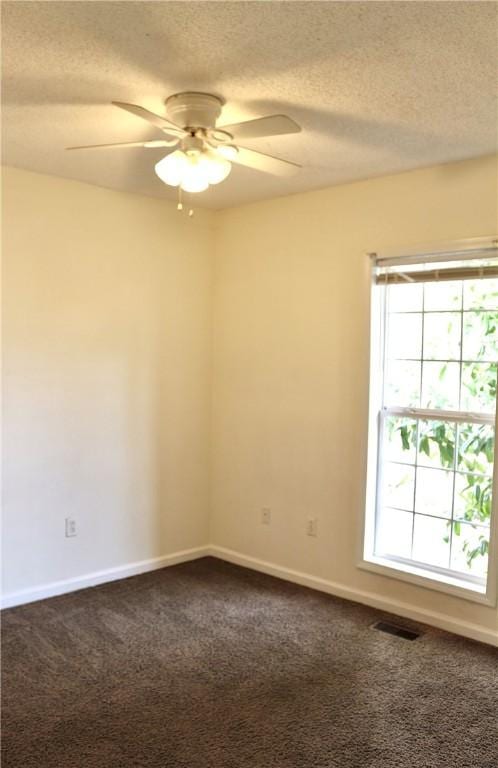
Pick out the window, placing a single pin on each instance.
(433, 418)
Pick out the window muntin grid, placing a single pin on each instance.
(434, 323)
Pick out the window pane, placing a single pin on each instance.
(480, 336)
(481, 294)
(478, 391)
(434, 492)
(442, 334)
(398, 486)
(436, 475)
(440, 385)
(469, 549)
(394, 533)
(400, 436)
(431, 543)
(402, 383)
(405, 297)
(436, 444)
(473, 496)
(445, 295)
(476, 445)
(405, 336)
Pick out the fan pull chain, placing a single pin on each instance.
(179, 206)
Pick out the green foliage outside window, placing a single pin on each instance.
(474, 444)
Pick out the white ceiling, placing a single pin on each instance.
(378, 87)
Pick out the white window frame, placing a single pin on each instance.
(422, 575)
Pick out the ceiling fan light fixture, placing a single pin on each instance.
(193, 170)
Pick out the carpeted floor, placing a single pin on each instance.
(207, 665)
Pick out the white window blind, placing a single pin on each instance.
(469, 264)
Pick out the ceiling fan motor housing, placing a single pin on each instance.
(194, 110)
(192, 144)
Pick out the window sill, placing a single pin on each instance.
(429, 579)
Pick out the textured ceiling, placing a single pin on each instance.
(378, 87)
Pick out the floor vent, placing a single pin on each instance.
(393, 629)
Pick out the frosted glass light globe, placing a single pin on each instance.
(194, 177)
(172, 168)
(217, 168)
(228, 151)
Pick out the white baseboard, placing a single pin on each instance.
(408, 611)
(442, 621)
(53, 588)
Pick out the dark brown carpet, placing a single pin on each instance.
(207, 665)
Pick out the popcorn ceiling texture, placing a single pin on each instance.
(378, 87)
(207, 665)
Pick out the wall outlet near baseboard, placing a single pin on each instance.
(70, 529)
(312, 526)
(266, 515)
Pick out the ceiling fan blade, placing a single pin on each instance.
(266, 163)
(157, 120)
(148, 144)
(274, 125)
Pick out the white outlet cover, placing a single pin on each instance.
(70, 527)
(266, 515)
(312, 526)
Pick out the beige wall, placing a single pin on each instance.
(106, 378)
(108, 372)
(291, 365)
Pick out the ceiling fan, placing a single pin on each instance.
(200, 153)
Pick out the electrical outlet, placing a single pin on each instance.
(266, 515)
(70, 527)
(312, 526)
